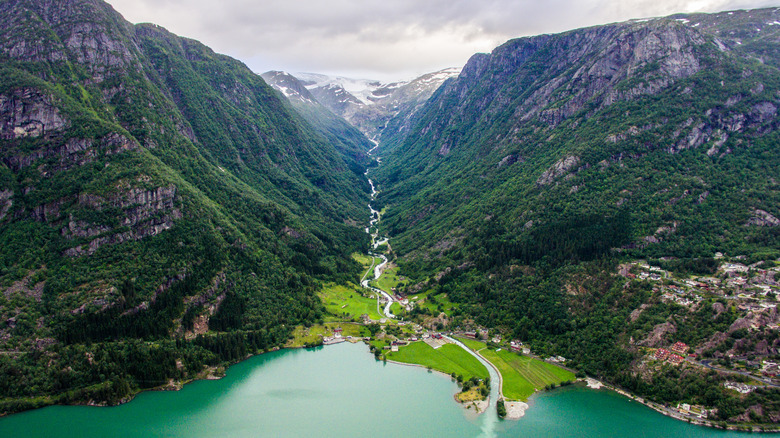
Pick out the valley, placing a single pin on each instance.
(596, 208)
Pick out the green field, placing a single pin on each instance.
(523, 375)
(366, 261)
(449, 358)
(425, 301)
(303, 335)
(388, 280)
(347, 303)
(473, 344)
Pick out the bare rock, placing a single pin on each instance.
(6, 201)
(560, 168)
(763, 218)
(658, 335)
(28, 112)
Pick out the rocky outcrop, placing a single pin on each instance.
(87, 31)
(145, 212)
(72, 152)
(560, 168)
(630, 49)
(658, 335)
(6, 201)
(28, 112)
(761, 218)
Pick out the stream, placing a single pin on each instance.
(375, 243)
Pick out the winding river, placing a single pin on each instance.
(373, 231)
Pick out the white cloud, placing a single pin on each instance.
(385, 39)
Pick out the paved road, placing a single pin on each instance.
(706, 364)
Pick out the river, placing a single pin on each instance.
(342, 391)
(373, 231)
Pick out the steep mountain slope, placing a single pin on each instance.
(151, 191)
(347, 139)
(370, 105)
(580, 116)
(524, 181)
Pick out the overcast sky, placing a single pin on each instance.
(386, 39)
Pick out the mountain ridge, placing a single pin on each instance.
(370, 105)
(163, 211)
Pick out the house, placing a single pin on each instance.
(662, 354)
(772, 371)
(675, 359)
(337, 332)
(436, 336)
(680, 348)
(472, 335)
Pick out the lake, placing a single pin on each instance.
(341, 391)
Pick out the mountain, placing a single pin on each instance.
(163, 211)
(526, 188)
(370, 105)
(346, 138)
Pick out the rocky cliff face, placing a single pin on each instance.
(28, 112)
(86, 31)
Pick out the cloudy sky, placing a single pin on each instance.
(385, 39)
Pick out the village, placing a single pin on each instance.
(753, 286)
(748, 290)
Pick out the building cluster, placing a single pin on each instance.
(739, 387)
(693, 410)
(518, 347)
(732, 280)
(335, 339)
(675, 355)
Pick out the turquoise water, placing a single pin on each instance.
(341, 391)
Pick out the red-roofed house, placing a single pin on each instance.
(675, 359)
(680, 348)
(662, 354)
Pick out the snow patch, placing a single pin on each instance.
(369, 91)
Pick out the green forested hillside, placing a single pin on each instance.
(161, 208)
(348, 140)
(526, 180)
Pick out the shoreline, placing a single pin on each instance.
(477, 404)
(519, 406)
(669, 412)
